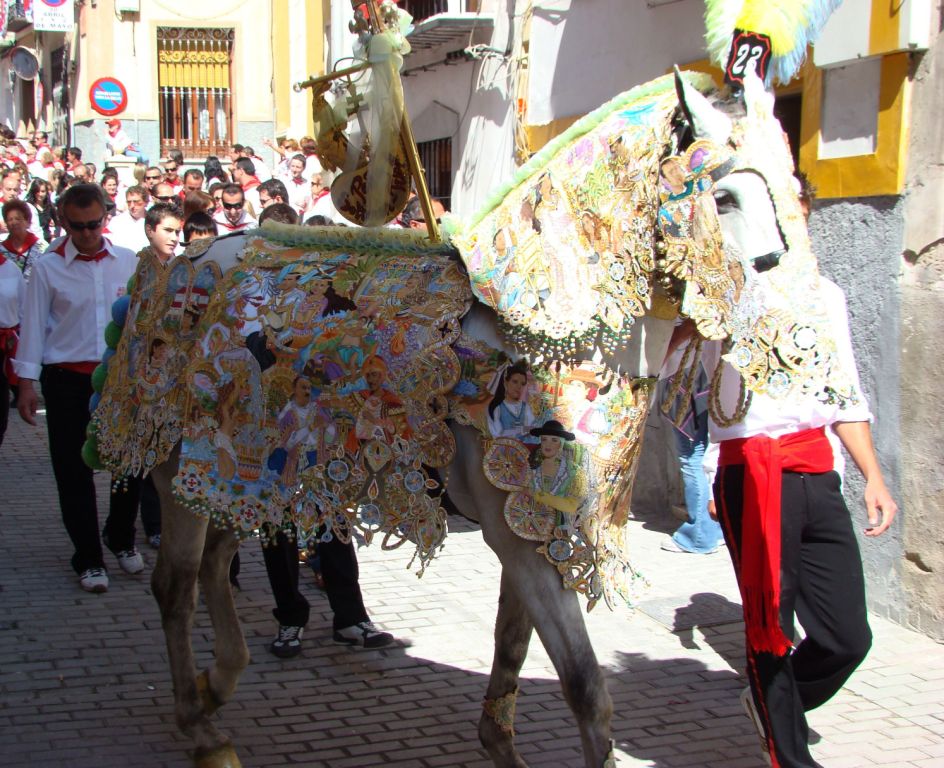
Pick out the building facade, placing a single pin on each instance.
(194, 79)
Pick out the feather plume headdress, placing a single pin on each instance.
(791, 25)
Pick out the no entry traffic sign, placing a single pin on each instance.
(108, 96)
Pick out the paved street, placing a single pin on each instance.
(84, 681)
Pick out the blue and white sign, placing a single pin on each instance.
(108, 96)
(53, 15)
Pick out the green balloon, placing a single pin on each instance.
(91, 431)
(90, 455)
(98, 377)
(131, 284)
(112, 334)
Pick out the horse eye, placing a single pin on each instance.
(724, 199)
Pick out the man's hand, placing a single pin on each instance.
(712, 510)
(27, 401)
(856, 436)
(879, 500)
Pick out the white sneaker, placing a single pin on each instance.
(130, 561)
(94, 580)
(747, 702)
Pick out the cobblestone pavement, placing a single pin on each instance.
(84, 681)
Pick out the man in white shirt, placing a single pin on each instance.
(298, 186)
(791, 539)
(127, 228)
(67, 307)
(233, 217)
(244, 174)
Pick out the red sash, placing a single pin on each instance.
(8, 341)
(765, 459)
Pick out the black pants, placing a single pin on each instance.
(67, 396)
(821, 582)
(341, 577)
(4, 400)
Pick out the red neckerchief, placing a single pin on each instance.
(321, 194)
(765, 460)
(28, 243)
(61, 250)
(253, 182)
(299, 180)
(232, 227)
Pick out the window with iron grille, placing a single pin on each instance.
(194, 75)
(436, 157)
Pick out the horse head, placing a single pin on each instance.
(774, 327)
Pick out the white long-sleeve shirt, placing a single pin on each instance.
(12, 293)
(773, 417)
(68, 304)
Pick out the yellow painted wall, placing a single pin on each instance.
(126, 48)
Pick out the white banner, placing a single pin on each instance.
(53, 15)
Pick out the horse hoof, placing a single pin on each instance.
(221, 757)
(208, 701)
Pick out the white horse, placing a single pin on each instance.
(194, 549)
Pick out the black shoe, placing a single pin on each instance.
(363, 634)
(288, 643)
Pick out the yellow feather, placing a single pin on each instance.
(781, 20)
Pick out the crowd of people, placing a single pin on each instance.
(70, 241)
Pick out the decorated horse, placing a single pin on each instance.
(339, 380)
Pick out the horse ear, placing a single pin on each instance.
(706, 121)
(758, 100)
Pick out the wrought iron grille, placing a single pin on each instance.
(195, 89)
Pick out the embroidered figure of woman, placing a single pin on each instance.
(556, 480)
(226, 459)
(509, 414)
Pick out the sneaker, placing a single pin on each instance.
(363, 634)
(155, 541)
(94, 580)
(671, 545)
(288, 643)
(130, 561)
(747, 703)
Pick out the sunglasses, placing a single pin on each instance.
(79, 226)
(165, 198)
(170, 169)
(232, 206)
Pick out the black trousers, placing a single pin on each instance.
(341, 578)
(821, 582)
(4, 400)
(67, 396)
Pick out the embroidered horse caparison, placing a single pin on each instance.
(317, 376)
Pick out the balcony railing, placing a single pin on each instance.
(423, 9)
(17, 17)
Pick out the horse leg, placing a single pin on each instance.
(231, 655)
(513, 629)
(174, 583)
(555, 614)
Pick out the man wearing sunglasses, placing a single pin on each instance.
(152, 177)
(233, 218)
(172, 177)
(68, 304)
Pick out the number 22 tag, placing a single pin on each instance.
(749, 51)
